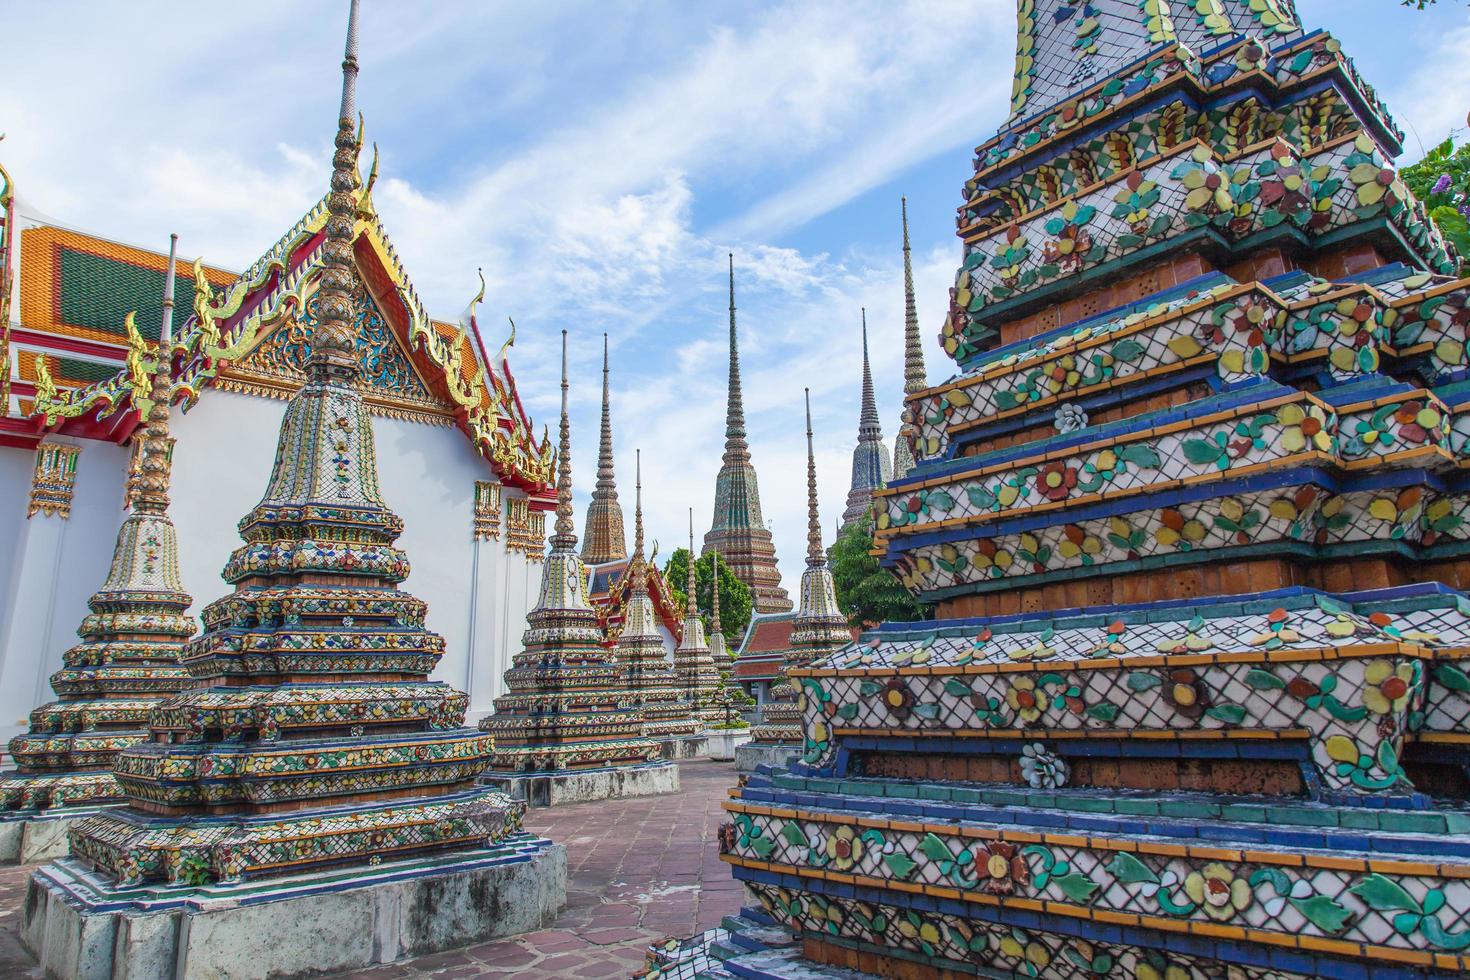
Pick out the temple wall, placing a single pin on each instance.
(52, 566)
(478, 594)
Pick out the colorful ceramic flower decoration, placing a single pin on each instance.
(1027, 700)
(1388, 687)
(1001, 867)
(1041, 769)
(844, 848)
(1218, 892)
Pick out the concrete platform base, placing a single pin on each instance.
(753, 754)
(724, 741)
(687, 747)
(82, 928)
(586, 785)
(31, 838)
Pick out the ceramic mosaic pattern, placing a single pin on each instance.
(974, 943)
(1270, 893)
(1226, 325)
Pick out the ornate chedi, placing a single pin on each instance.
(817, 629)
(719, 651)
(312, 744)
(739, 533)
(647, 675)
(606, 540)
(914, 378)
(1195, 703)
(128, 660)
(870, 467)
(567, 710)
(693, 664)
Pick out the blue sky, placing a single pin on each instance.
(599, 160)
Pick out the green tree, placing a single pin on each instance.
(866, 591)
(735, 599)
(1442, 182)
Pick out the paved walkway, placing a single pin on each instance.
(638, 870)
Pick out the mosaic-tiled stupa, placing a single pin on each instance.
(644, 668)
(693, 663)
(817, 629)
(128, 660)
(738, 532)
(312, 766)
(606, 540)
(567, 710)
(1191, 511)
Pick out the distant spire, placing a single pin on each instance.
(636, 567)
(565, 537)
(150, 485)
(868, 425)
(814, 554)
(332, 341)
(913, 358)
(691, 608)
(736, 449)
(714, 616)
(606, 539)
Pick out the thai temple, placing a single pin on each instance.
(915, 379)
(871, 469)
(739, 534)
(127, 663)
(310, 764)
(817, 629)
(569, 729)
(464, 464)
(1190, 513)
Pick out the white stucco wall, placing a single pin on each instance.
(53, 567)
(222, 458)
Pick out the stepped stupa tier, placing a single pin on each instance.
(693, 663)
(644, 668)
(128, 660)
(817, 629)
(310, 762)
(870, 466)
(914, 376)
(606, 540)
(568, 711)
(739, 532)
(1192, 516)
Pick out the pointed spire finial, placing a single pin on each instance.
(565, 536)
(149, 489)
(868, 425)
(814, 554)
(714, 616)
(605, 538)
(913, 347)
(736, 449)
(636, 567)
(691, 607)
(333, 340)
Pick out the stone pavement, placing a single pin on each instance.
(638, 870)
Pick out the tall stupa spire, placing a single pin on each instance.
(814, 554)
(606, 538)
(870, 465)
(694, 664)
(332, 341)
(738, 532)
(691, 605)
(914, 379)
(565, 536)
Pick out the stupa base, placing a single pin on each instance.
(586, 785)
(724, 741)
(754, 754)
(33, 836)
(684, 746)
(78, 924)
